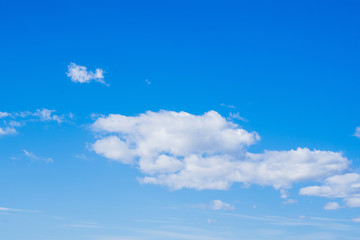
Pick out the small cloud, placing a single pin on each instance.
(210, 220)
(4, 209)
(220, 205)
(71, 115)
(238, 117)
(47, 115)
(357, 132)
(228, 106)
(284, 194)
(4, 114)
(81, 156)
(7, 131)
(36, 158)
(94, 116)
(20, 119)
(331, 206)
(30, 155)
(15, 124)
(290, 201)
(147, 81)
(356, 220)
(80, 74)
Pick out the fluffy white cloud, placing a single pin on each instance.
(357, 132)
(331, 206)
(346, 186)
(356, 220)
(181, 150)
(80, 74)
(220, 205)
(113, 148)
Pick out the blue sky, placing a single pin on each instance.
(142, 120)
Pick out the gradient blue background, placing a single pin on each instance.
(291, 68)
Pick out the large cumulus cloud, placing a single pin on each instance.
(181, 150)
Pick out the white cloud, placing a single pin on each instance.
(80, 74)
(290, 201)
(346, 186)
(238, 117)
(34, 157)
(4, 209)
(80, 156)
(4, 114)
(47, 115)
(357, 132)
(356, 220)
(15, 120)
(113, 148)
(15, 124)
(30, 154)
(7, 131)
(279, 169)
(220, 205)
(228, 106)
(38, 115)
(331, 206)
(284, 194)
(181, 150)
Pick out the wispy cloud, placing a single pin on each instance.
(4, 209)
(209, 220)
(7, 131)
(345, 186)
(4, 114)
(357, 132)
(80, 74)
(47, 115)
(216, 205)
(326, 223)
(34, 157)
(238, 117)
(227, 106)
(220, 205)
(289, 201)
(80, 156)
(12, 121)
(332, 206)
